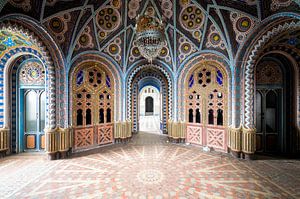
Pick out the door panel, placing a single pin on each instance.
(92, 107)
(206, 108)
(30, 141)
(268, 119)
(259, 116)
(30, 111)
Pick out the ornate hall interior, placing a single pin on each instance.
(149, 99)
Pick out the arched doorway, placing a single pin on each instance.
(144, 77)
(150, 109)
(274, 104)
(92, 106)
(206, 106)
(30, 111)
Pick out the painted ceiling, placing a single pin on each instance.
(191, 26)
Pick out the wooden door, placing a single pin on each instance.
(206, 108)
(268, 120)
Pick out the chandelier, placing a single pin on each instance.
(149, 35)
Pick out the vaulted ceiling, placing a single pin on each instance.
(191, 26)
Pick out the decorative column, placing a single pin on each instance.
(65, 142)
(3, 141)
(176, 130)
(249, 131)
(123, 131)
(235, 131)
(52, 142)
(249, 143)
(235, 141)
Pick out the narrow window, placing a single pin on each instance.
(108, 115)
(211, 117)
(198, 116)
(79, 117)
(88, 116)
(220, 117)
(101, 116)
(191, 119)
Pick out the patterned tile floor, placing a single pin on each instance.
(148, 167)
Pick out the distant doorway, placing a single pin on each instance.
(149, 106)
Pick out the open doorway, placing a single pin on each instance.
(150, 109)
(274, 105)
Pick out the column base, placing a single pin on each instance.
(52, 156)
(236, 154)
(249, 156)
(2, 154)
(63, 154)
(122, 140)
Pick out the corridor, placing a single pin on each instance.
(148, 167)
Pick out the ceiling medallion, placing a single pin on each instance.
(149, 35)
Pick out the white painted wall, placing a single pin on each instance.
(155, 94)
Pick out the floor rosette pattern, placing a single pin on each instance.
(148, 167)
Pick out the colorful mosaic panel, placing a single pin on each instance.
(214, 39)
(10, 40)
(108, 19)
(242, 25)
(32, 73)
(192, 19)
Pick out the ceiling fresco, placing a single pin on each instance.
(191, 26)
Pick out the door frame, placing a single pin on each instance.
(20, 127)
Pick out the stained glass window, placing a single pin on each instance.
(191, 81)
(79, 78)
(108, 83)
(219, 78)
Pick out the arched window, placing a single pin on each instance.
(101, 116)
(108, 115)
(79, 117)
(191, 116)
(198, 116)
(88, 117)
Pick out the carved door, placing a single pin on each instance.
(92, 107)
(268, 119)
(206, 110)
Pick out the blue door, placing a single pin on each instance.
(32, 119)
